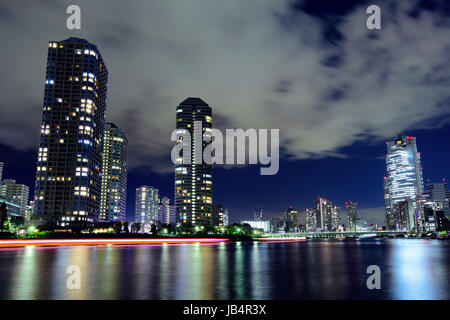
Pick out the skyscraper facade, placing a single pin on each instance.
(68, 178)
(1, 171)
(114, 175)
(352, 215)
(404, 176)
(16, 193)
(193, 181)
(147, 199)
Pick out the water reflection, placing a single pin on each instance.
(417, 270)
(411, 269)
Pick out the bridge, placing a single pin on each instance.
(335, 234)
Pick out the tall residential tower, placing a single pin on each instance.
(193, 181)
(68, 177)
(114, 175)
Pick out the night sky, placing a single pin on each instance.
(336, 90)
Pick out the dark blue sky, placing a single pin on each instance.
(312, 69)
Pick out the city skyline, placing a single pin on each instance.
(351, 169)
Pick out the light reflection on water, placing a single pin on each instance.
(410, 269)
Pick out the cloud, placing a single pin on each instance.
(258, 63)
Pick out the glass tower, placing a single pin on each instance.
(404, 178)
(114, 175)
(68, 177)
(193, 182)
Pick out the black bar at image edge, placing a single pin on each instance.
(221, 309)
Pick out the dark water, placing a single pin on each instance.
(323, 269)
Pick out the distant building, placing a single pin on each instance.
(403, 212)
(262, 225)
(311, 225)
(438, 192)
(217, 215)
(226, 217)
(193, 181)
(276, 225)
(442, 223)
(166, 211)
(291, 220)
(68, 176)
(29, 212)
(404, 177)
(1, 170)
(147, 199)
(335, 218)
(352, 215)
(114, 175)
(323, 214)
(258, 215)
(13, 208)
(434, 217)
(15, 192)
(430, 218)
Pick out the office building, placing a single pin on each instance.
(193, 181)
(404, 177)
(352, 215)
(14, 192)
(68, 177)
(114, 175)
(147, 199)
